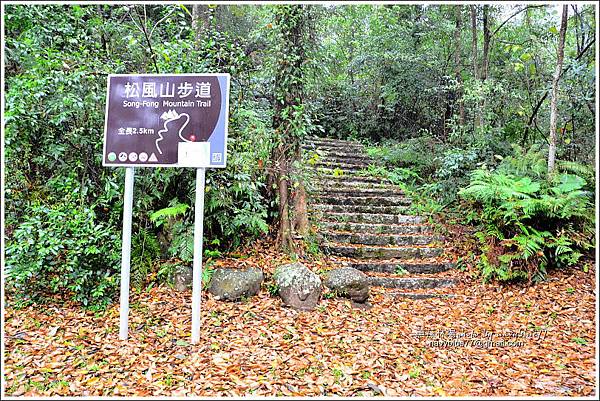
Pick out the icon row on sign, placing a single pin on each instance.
(132, 157)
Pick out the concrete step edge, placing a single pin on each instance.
(410, 283)
(410, 267)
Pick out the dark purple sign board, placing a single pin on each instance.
(166, 120)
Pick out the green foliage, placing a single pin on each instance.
(161, 215)
(57, 61)
(165, 271)
(207, 273)
(354, 71)
(145, 251)
(528, 223)
(401, 271)
(61, 250)
(182, 243)
(273, 289)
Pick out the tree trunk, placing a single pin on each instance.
(474, 40)
(457, 66)
(554, 97)
(300, 225)
(474, 59)
(300, 211)
(485, 62)
(200, 22)
(288, 96)
(486, 43)
(284, 234)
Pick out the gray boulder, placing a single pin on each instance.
(234, 284)
(182, 278)
(298, 287)
(350, 283)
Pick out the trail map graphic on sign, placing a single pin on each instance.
(166, 120)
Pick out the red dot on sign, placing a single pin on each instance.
(193, 138)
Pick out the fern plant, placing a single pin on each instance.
(145, 251)
(528, 223)
(159, 217)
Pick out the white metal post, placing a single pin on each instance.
(126, 254)
(197, 266)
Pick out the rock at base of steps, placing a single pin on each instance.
(349, 283)
(235, 284)
(299, 287)
(182, 278)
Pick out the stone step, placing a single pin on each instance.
(336, 141)
(342, 149)
(342, 165)
(352, 157)
(373, 218)
(364, 200)
(337, 158)
(422, 266)
(381, 252)
(347, 159)
(330, 173)
(406, 228)
(325, 208)
(410, 283)
(377, 239)
(376, 228)
(359, 192)
(355, 181)
(338, 170)
(343, 155)
(328, 138)
(351, 179)
(321, 144)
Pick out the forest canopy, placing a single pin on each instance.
(456, 101)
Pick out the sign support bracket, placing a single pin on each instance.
(126, 254)
(197, 265)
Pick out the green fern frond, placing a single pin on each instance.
(586, 172)
(159, 216)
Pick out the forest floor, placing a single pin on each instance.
(500, 340)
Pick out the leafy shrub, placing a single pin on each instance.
(528, 224)
(62, 250)
(54, 119)
(418, 154)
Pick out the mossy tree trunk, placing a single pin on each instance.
(291, 23)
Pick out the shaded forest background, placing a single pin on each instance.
(454, 102)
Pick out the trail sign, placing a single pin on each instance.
(165, 120)
(177, 120)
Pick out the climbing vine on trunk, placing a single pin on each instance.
(289, 118)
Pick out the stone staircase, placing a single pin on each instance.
(364, 222)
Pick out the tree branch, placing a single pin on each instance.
(564, 71)
(512, 16)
